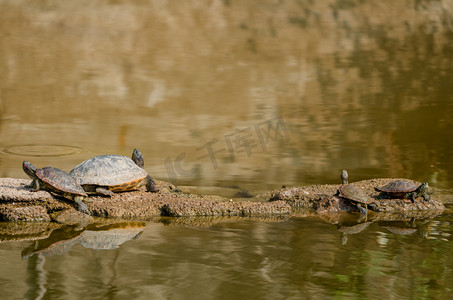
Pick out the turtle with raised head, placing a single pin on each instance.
(404, 189)
(57, 182)
(106, 174)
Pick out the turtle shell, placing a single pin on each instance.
(59, 181)
(119, 173)
(354, 193)
(398, 186)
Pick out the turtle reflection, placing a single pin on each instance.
(403, 228)
(406, 227)
(95, 236)
(351, 229)
(110, 238)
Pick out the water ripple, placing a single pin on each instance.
(41, 150)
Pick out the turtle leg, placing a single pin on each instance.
(82, 207)
(151, 184)
(34, 185)
(362, 209)
(412, 197)
(104, 192)
(426, 197)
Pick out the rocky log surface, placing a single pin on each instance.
(18, 203)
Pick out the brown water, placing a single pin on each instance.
(227, 97)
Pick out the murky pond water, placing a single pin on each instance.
(300, 258)
(231, 97)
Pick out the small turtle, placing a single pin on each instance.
(404, 189)
(356, 196)
(105, 174)
(56, 181)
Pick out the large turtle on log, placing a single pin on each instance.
(404, 189)
(106, 174)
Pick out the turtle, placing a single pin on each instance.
(356, 196)
(56, 181)
(106, 174)
(404, 189)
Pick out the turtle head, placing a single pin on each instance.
(137, 157)
(422, 189)
(344, 176)
(29, 169)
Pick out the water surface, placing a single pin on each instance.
(296, 258)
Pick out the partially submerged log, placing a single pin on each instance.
(34, 213)
(190, 207)
(108, 223)
(19, 203)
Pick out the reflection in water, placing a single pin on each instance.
(299, 257)
(62, 239)
(110, 239)
(400, 225)
(352, 229)
(37, 279)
